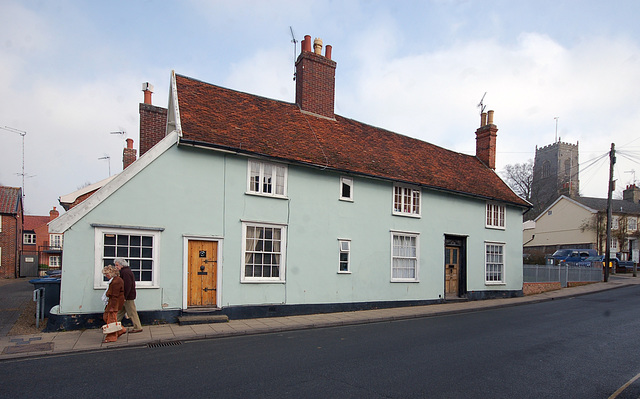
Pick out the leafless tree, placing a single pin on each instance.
(519, 177)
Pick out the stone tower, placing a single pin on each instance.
(555, 173)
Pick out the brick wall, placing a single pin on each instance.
(153, 126)
(10, 242)
(538, 288)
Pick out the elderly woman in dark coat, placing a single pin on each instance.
(115, 295)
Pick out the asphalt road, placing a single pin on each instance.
(582, 347)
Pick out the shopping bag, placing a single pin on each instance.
(111, 327)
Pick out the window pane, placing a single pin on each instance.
(109, 239)
(135, 241)
(109, 251)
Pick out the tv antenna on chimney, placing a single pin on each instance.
(481, 105)
(632, 171)
(121, 132)
(108, 158)
(295, 42)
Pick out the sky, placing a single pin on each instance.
(71, 73)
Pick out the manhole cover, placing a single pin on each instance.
(41, 347)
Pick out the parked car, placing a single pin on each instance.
(592, 261)
(570, 256)
(622, 266)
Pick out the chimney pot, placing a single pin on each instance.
(147, 88)
(129, 143)
(306, 44)
(327, 51)
(317, 46)
(490, 118)
(483, 119)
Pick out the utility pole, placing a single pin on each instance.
(607, 252)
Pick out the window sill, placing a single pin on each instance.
(344, 272)
(405, 281)
(496, 227)
(346, 199)
(138, 287)
(497, 283)
(409, 215)
(282, 197)
(262, 281)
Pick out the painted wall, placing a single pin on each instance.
(193, 192)
(562, 226)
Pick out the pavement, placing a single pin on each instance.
(14, 296)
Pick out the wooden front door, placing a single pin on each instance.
(452, 270)
(203, 273)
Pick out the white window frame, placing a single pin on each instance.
(491, 261)
(344, 248)
(495, 216)
(282, 252)
(278, 178)
(614, 244)
(98, 278)
(55, 261)
(404, 200)
(55, 241)
(396, 257)
(346, 181)
(633, 223)
(29, 238)
(615, 223)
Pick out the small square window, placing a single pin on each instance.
(346, 189)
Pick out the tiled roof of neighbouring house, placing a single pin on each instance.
(617, 205)
(222, 118)
(31, 222)
(10, 199)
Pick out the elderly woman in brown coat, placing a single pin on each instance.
(115, 296)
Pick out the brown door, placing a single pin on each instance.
(203, 273)
(452, 269)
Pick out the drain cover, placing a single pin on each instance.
(162, 344)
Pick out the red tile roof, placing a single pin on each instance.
(32, 222)
(217, 117)
(10, 200)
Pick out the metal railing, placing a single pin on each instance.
(561, 273)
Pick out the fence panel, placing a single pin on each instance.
(563, 274)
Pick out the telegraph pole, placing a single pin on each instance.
(607, 253)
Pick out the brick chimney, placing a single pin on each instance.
(53, 214)
(631, 193)
(315, 79)
(486, 140)
(128, 154)
(153, 121)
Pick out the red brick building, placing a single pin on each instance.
(38, 243)
(11, 224)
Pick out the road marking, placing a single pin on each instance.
(625, 386)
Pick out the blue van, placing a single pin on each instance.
(570, 256)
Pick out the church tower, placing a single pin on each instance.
(555, 173)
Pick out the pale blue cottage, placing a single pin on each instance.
(258, 207)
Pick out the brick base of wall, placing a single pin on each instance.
(579, 283)
(538, 288)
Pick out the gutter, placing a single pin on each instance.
(236, 151)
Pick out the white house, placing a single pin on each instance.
(257, 207)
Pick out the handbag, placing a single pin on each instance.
(112, 327)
